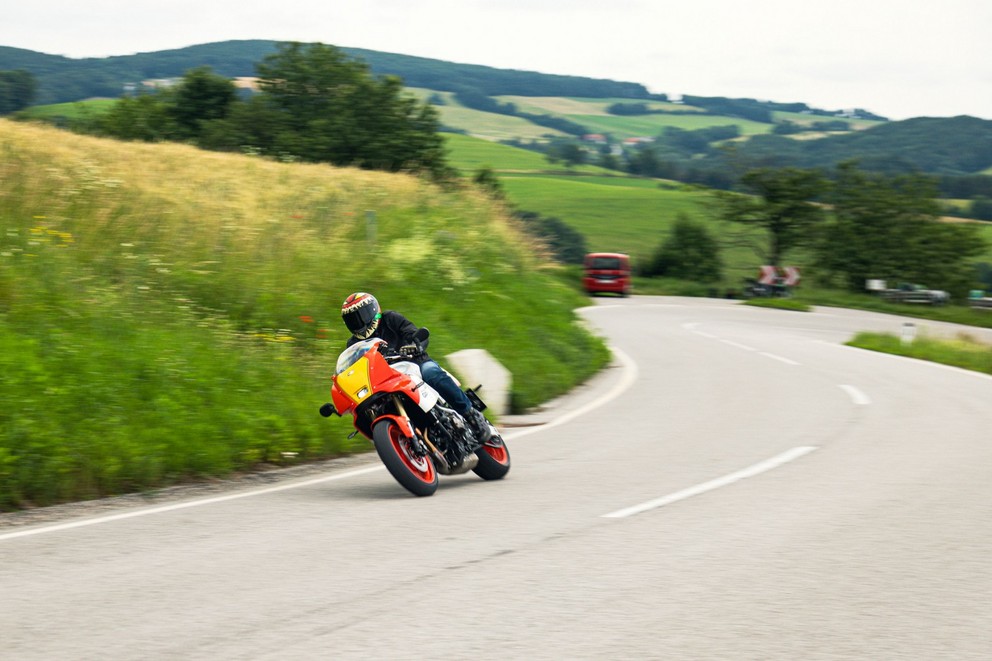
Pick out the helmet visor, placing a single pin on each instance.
(359, 318)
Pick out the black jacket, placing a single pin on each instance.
(396, 330)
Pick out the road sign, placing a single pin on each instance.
(792, 276)
(768, 275)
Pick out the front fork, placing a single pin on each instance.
(403, 420)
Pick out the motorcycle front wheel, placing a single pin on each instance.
(494, 459)
(414, 472)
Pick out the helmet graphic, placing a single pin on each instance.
(361, 314)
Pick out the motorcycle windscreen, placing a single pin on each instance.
(354, 353)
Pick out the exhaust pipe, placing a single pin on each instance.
(471, 461)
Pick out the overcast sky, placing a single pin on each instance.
(897, 58)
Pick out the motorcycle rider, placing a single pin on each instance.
(365, 320)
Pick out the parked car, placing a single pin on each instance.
(908, 292)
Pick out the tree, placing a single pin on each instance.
(567, 243)
(887, 227)
(202, 96)
(690, 252)
(981, 208)
(487, 180)
(17, 91)
(327, 107)
(143, 117)
(782, 205)
(567, 151)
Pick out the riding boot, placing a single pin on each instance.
(479, 425)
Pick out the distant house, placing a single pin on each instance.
(161, 83)
(595, 138)
(246, 83)
(634, 142)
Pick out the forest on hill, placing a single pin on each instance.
(62, 79)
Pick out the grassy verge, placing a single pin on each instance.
(779, 304)
(956, 314)
(168, 314)
(964, 352)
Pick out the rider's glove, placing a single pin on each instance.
(409, 350)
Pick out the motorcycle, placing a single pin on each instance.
(415, 433)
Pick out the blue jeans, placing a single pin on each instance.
(442, 382)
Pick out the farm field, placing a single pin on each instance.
(487, 125)
(562, 105)
(613, 211)
(590, 113)
(467, 154)
(805, 119)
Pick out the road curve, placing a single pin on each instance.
(739, 485)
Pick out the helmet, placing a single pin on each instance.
(361, 314)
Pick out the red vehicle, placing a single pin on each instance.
(606, 272)
(414, 431)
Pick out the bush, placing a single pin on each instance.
(567, 243)
(690, 252)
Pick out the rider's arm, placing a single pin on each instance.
(400, 325)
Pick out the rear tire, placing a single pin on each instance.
(494, 459)
(416, 474)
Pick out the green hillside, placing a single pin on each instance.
(169, 314)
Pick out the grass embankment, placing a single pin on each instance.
(965, 351)
(168, 314)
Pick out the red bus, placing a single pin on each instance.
(606, 272)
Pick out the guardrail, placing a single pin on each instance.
(981, 303)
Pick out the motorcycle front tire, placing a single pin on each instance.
(416, 474)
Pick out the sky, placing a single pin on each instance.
(895, 58)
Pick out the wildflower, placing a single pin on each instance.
(306, 319)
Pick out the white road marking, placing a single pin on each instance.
(751, 471)
(738, 345)
(691, 327)
(856, 395)
(185, 505)
(787, 361)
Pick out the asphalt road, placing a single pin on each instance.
(738, 485)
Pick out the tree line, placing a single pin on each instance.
(62, 79)
(17, 91)
(853, 224)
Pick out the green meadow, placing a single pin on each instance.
(75, 110)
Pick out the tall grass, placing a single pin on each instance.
(964, 351)
(169, 314)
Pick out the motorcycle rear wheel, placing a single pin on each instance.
(415, 473)
(494, 459)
